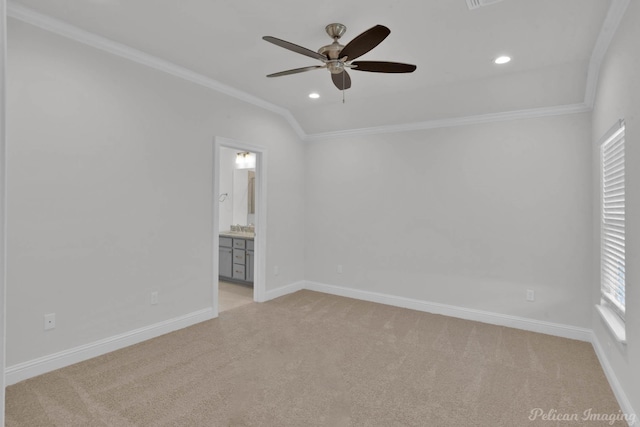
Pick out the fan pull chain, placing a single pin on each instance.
(343, 74)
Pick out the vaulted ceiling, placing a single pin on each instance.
(551, 43)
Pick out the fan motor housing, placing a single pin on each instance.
(331, 51)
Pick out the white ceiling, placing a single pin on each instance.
(551, 42)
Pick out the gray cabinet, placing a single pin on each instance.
(226, 262)
(249, 266)
(236, 259)
(225, 257)
(238, 272)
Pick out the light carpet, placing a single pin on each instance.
(311, 359)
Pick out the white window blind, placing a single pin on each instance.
(612, 245)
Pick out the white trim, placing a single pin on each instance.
(61, 28)
(3, 215)
(284, 290)
(608, 30)
(215, 227)
(456, 121)
(259, 279)
(616, 11)
(613, 322)
(556, 329)
(41, 365)
(618, 391)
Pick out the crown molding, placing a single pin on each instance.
(64, 29)
(456, 121)
(608, 30)
(609, 27)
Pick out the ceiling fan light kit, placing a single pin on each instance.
(337, 58)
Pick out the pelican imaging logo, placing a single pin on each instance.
(587, 416)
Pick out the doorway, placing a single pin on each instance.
(239, 225)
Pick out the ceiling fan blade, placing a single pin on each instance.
(342, 80)
(383, 67)
(295, 71)
(295, 48)
(365, 42)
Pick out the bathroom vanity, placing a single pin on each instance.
(236, 257)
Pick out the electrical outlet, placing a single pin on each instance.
(49, 321)
(276, 271)
(339, 269)
(531, 295)
(154, 298)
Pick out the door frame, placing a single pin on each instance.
(260, 240)
(3, 204)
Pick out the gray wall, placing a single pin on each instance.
(469, 216)
(618, 97)
(110, 193)
(110, 198)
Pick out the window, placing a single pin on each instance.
(612, 245)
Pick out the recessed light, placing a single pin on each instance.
(314, 95)
(502, 60)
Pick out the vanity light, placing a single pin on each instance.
(502, 60)
(245, 160)
(314, 95)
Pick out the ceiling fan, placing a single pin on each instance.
(338, 58)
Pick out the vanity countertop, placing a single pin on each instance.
(240, 234)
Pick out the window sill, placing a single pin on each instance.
(613, 321)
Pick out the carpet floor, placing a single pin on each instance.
(310, 359)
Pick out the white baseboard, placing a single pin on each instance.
(41, 365)
(284, 290)
(560, 330)
(618, 391)
(565, 331)
(32, 368)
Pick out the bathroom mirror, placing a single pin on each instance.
(244, 196)
(251, 208)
